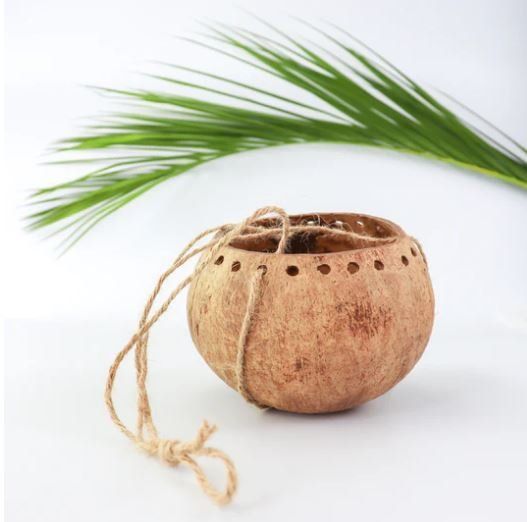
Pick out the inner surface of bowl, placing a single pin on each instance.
(368, 231)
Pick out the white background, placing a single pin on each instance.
(447, 444)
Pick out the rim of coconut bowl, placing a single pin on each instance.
(393, 231)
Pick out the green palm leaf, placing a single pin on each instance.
(360, 99)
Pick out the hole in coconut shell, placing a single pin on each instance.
(236, 266)
(324, 269)
(263, 268)
(414, 251)
(353, 267)
(405, 261)
(219, 261)
(292, 270)
(379, 265)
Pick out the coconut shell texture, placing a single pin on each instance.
(336, 325)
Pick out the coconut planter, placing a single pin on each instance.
(338, 322)
(309, 314)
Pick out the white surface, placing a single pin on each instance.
(447, 444)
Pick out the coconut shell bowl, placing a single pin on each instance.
(340, 318)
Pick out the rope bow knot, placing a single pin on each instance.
(173, 451)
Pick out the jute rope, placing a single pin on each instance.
(172, 451)
(254, 295)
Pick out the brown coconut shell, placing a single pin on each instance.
(337, 324)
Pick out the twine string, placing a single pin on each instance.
(171, 451)
(254, 296)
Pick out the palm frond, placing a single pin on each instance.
(359, 98)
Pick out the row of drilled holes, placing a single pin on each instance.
(293, 270)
